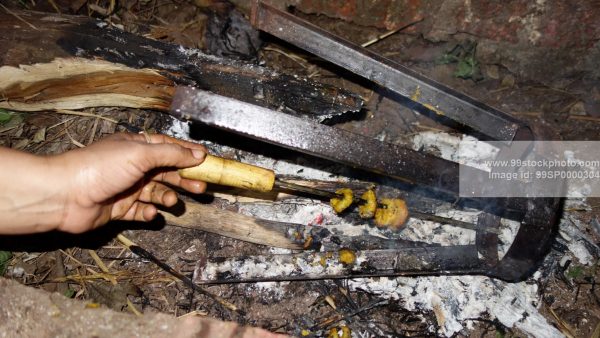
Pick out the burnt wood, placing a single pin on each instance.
(57, 35)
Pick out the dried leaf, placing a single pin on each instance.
(493, 72)
(578, 108)
(508, 81)
(113, 296)
(21, 144)
(40, 135)
(18, 133)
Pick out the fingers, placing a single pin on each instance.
(153, 156)
(138, 205)
(140, 211)
(157, 139)
(173, 178)
(158, 193)
(161, 138)
(158, 150)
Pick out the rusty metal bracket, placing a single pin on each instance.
(391, 75)
(537, 215)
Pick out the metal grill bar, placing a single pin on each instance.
(391, 75)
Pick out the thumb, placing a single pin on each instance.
(172, 155)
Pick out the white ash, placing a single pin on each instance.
(279, 251)
(577, 204)
(456, 300)
(273, 266)
(508, 231)
(571, 230)
(197, 53)
(307, 212)
(191, 249)
(179, 129)
(293, 169)
(273, 290)
(462, 149)
(166, 65)
(430, 232)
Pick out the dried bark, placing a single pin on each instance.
(77, 83)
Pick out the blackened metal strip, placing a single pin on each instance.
(400, 261)
(315, 139)
(486, 238)
(430, 94)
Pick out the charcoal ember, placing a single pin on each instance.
(229, 34)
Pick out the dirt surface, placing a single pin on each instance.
(27, 312)
(63, 263)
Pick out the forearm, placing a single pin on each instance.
(31, 199)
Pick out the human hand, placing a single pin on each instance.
(122, 177)
(118, 178)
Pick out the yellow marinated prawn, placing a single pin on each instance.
(347, 256)
(393, 216)
(367, 209)
(340, 204)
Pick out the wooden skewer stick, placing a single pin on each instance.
(232, 173)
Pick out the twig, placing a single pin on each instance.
(60, 123)
(93, 132)
(133, 309)
(73, 258)
(48, 140)
(562, 326)
(298, 59)
(194, 314)
(103, 11)
(80, 113)
(53, 4)
(101, 265)
(18, 17)
(143, 253)
(392, 32)
(584, 118)
(119, 275)
(74, 141)
(118, 257)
